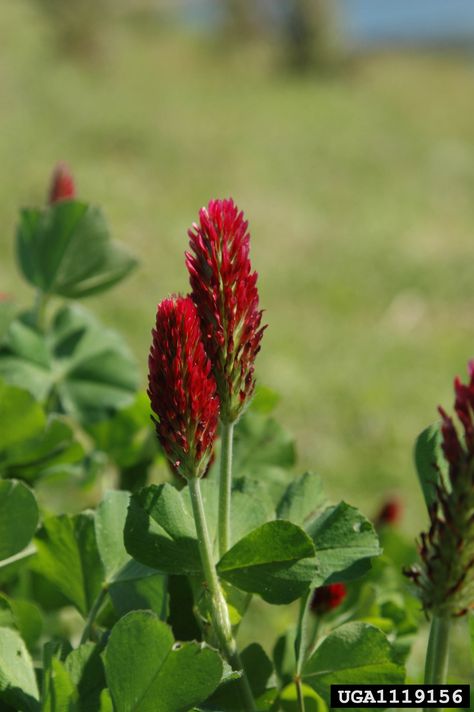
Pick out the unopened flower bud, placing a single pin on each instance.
(62, 184)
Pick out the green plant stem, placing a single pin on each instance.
(225, 487)
(314, 638)
(92, 615)
(219, 611)
(40, 309)
(437, 654)
(302, 643)
(300, 695)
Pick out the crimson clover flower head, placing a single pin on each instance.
(181, 388)
(327, 598)
(224, 289)
(446, 575)
(62, 185)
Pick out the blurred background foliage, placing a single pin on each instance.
(347, 138)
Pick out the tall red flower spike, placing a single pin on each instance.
(62, 184)
(224, 289)
(327, 598)
(181, 388)
(446, 576)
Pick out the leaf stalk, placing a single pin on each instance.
(96, 606)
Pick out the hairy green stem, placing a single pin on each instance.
(437, 654)
(92, 615)
(219, 611)
(225, 487)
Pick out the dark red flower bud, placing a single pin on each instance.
(181, 388)
(390, 512)
(327, 598)
(224, 289)
(62, 184)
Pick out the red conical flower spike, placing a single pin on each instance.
(62, 184)
(224, 289)
(327, 598)
(446, 577)
(181, 388)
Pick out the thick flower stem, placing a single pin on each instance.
(437, 654)
(219, 611)
(225, 486)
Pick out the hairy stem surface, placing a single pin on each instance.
(219, 611)
(225, 487)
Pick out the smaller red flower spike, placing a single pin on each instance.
(182, 389)
(224, 289)
(390, 512)
(62, 184)
(327, 598)
(446, 575)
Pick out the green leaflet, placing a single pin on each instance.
(160, 533)
(429, 462)
(58, 690)
(260, 440)
(23, 616)
(147, 672)
(258, 668)
(345, 541)
(131, 585)
(302, 499)
(68, 557)
(66, 249)
(355, 653)
(274, 560)
(18, 517)
(81, 368)
(86, 670)
(17, 677)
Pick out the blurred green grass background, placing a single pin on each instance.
(358, 187)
